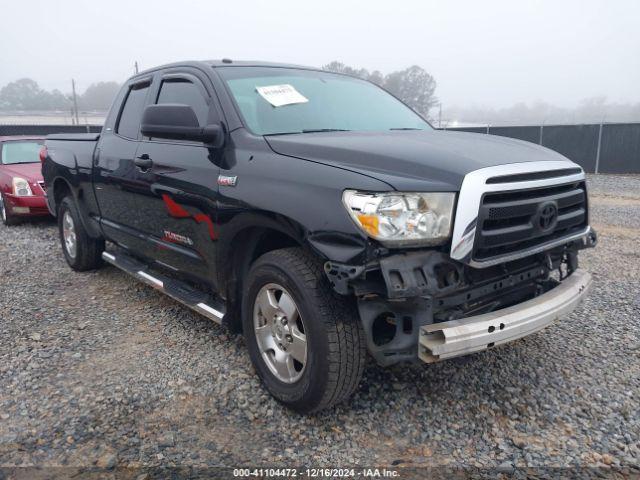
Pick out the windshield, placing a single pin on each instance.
(284, 100)
(20, 152)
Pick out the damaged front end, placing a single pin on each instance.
(403, 297)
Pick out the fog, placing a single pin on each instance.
(489, 53)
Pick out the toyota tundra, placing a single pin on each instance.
(321, 217)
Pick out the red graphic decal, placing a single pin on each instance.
(200, 218)
(175, 210)
(178, 211)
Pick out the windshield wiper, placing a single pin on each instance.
(319, 130)
(279, 133)
(312, 130)
(406, 128)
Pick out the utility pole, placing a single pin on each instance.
(135, 67)
(75, 101)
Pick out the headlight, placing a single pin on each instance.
(402, 219)
(21, 187)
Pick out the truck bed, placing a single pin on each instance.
(75, 137)
(70, 159)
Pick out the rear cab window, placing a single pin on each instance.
(14, 152)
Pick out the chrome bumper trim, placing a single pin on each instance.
(529, 251)
(455, 338)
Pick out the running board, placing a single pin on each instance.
(199, 301)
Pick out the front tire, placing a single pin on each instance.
(80, 250)
(305, 340)
(7, 218)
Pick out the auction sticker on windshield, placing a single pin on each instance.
(280, 95)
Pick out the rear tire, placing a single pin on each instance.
(335, 347)
(80, 250)
(7, 218)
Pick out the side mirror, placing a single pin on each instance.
(178, 122)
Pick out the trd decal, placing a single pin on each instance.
(178, 211)
(227, 180)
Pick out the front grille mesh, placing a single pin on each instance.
(510, 221)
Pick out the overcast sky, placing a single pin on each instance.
(488, 53)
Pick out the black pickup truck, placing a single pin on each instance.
(321, 217)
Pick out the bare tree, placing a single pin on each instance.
(413, 85)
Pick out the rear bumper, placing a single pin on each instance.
(455, 338)
(26, 206)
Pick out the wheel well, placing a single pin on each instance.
(60, 190)
(248, 246)
(272, 240)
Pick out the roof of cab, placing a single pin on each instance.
(224, 63)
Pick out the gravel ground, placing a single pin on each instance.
(98, 369)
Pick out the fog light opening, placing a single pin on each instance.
(383, 329)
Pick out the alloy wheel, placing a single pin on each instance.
(69, 234)
(280, 333)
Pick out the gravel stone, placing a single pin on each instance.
(107, 461)
(99, 369)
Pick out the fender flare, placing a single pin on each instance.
(90, 225)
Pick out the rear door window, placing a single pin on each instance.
(129, 124)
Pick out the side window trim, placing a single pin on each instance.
(209, 81)
(141, 82)
(193, 80)
(144, 82)
(189, 78)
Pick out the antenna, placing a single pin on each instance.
(135, 67)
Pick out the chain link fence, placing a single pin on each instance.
(10, 130)
(598, 148)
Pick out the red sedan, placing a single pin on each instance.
(21, 186)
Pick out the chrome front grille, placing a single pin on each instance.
(506, 212)
(513, 221)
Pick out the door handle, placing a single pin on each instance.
(143, 162)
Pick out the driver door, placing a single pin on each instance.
(177, 200)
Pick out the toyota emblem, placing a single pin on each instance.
(548, 216)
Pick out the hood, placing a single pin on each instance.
(32, 172)
(418, 160)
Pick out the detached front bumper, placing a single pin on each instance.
(440, 341)
(32, 205)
